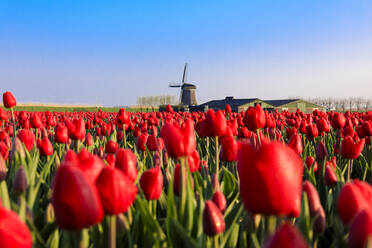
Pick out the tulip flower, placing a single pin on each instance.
(111, 147)
(213, 222)
(152, 183)
(126, 161)
(316, 209)
(354, 197)
(179, 141)
(339, 121)
(27, 138)
(194, 161)
(61, 133)
(45, 147)
(229, 149)
(270, 179)
(361, 230)
(286, 235)
(220, 201)
(116, 190)
(4, 150)
(214, 123)
(321, 152)
(310, 161)
(351, 150)
(254, 118)
(295, 142)
(13, 232)
(75, 199)
(9, 100)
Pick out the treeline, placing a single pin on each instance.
(157, 100)
(343, 104)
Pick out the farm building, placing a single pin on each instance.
(238, 105)
(292, 105)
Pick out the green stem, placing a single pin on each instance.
(112, 231)
(270, 224)
(215, 242)
(13, 120)
(22, 207)
(5, 195)
(183, 186)
(217, 157)
(124, 137)
(80, 238)
(348, 170)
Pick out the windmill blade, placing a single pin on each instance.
(174, 85)
(184, 73)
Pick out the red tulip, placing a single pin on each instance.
(229, 149)
(321, 152)
(213, 222)
(295, 142)
(110, 159)
(9, 100)
(311, 132)
(141, 142)
(152, 143)
(90, 165)
(354, 197)
(220, 200)
(111, 147)
(152, 183)
(88, 139)
(75, 199)
(45, 147)
(123, 117)
(179, 141)
(227, 109)
(270, 179)
(316, 209)
(254, 118)
(36, 121)
(287, 236)
(116, 190)
(361, 230)
(13, 232)
(351, 150)
(61, 133)
(4, 150)
(330, 177)
(80, 131)
(323, 125)
(214, 123)
(194, 161)
(27, 138)
(339, 121)
(126, 161)
(310, 160)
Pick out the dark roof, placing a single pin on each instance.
(229, 100)
(277, 103)
(189, 86)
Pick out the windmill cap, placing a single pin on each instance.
(188, 86)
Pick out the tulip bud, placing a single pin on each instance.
(220, 200)
(152, 183)
(319, 222)
(321, 152)
(330, 178)
(20, 181)
(17, 147)
(213, 222)
(49, 214)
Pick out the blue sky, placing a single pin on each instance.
(110, 52)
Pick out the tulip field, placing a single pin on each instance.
(177, 179)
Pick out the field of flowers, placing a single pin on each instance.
(168, 179)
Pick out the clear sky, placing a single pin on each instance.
(110, 52)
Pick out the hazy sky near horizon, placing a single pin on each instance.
(110, 52)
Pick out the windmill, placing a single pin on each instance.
(188, 91)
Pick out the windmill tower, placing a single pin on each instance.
(188, 91)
